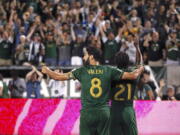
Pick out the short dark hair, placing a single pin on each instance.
(95, 52)
(122, 60)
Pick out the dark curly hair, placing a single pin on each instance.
(122, 60)
(95, 52)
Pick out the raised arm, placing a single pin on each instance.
(40, 75)
(41, 31)
(160, 91)
(55, 75)
(103, 35)
(133, 75)
(139, 59)
(146, 41)
(28, 76)
(43, 3)
(73, 33)
(31, 32)
(2, 9)
(11, 16)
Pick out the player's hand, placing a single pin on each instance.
(141, 68)
(45, 69)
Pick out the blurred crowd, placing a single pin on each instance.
(147, 89)
(32, 87)
(54, 32)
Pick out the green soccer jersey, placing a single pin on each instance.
(110, 49)
(123, 91)
(96, 84)
(51, 50)
(5, 50)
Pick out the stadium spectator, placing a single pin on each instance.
(173, 50)
(64, 49)
(161, 15)
(50, 50)
(133, 16)
(147, 29)
(172, 39)
(57, 88)
(77, 48)
(161, 88)
(149, 81)
(145, 92)
(170, 94)
(6, 48)
(3, 88)
(178, 93)
(155, 49)
(21, 51)
(111, 45)
(36, 50)
(33, 83)
(17, 86)
(151, 21)
(129, 47)
(150, 16)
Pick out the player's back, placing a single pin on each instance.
(96, 84)
(123, 91)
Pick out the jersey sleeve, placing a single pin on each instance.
(116, 74)
(76, 74)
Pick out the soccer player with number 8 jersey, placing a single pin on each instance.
(96, 85)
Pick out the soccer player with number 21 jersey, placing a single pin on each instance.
(96, 85)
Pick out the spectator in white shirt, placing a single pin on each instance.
(129, 47)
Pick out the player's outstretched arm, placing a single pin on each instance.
(139, 58)
(133, 75)
(55, 75)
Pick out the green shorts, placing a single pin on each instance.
(123, 121)
(95, 121)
